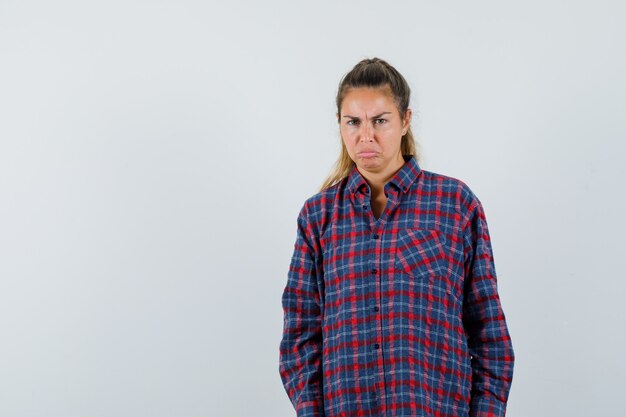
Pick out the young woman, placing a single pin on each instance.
(391, 305)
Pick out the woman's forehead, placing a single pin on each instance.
(368, 99)
(384, 89)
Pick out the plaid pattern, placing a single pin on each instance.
(396, 316)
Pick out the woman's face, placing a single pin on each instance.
(372, 129)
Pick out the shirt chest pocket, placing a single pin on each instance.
(423, 264)
(421, 253)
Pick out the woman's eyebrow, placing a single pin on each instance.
(373, 117)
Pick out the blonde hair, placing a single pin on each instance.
(374, 73)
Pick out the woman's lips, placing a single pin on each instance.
(366, 154)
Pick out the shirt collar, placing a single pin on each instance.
(402, 179)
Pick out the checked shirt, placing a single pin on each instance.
(395, 316)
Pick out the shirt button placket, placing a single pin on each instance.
(374, 273)
(376, 346)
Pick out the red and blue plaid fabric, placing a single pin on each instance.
(395, 316)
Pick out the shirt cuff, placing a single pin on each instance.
(310, 408)
(487, 407)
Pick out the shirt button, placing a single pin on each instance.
(374, 270)
(376, 308)
(376, 236)
(376, 346)
(364, 207)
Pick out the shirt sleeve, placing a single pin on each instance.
(301, 344)
(489, 342)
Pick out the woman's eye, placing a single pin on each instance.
(380, 121)
(352, 122)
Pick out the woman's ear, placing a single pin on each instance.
(407, 118)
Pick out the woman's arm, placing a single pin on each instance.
(488, 337)
(301, 344)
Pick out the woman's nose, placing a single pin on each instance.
(366, 132)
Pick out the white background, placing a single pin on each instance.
(154, 156)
